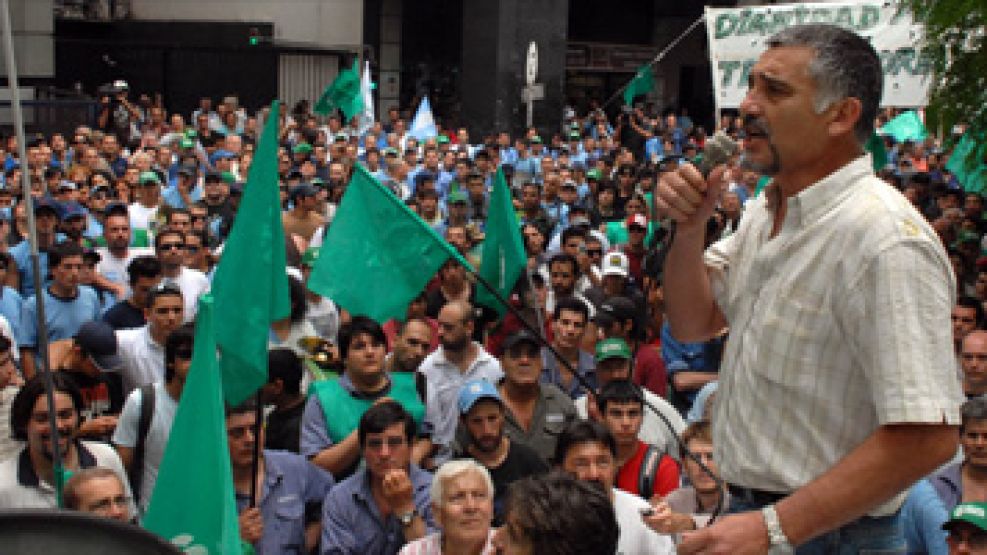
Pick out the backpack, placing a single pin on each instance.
(136, 473)
(648, 472)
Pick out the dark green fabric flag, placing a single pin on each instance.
(643, 83)
(250, 285)
(378, 255)
(503, 256)
(878, 154)
(967, 162)
(193, 504)
(906, 126)
(342, 93)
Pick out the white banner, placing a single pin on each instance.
(737, 37)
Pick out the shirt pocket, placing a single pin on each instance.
(791, 339)
(289, 524)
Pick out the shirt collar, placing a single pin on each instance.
(814, 201)
(27, 477)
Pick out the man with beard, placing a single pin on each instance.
(457, 360)
(219, 210)
(116, 256)
(27, 481)
(588, 452)
(411, 345)
(482, 416)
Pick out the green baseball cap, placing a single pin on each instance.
(442, 140)
(228, 177)
(456, 196)
(191, 133)
(971, 513)
(186, 143)
(612, 348)
(536, 140)
(310, 256)
(575, 135)
(594, 173)
(149, 177)
(302, 148)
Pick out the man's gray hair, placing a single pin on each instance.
(456, 468)
(845, 65)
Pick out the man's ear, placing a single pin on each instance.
(845, 115)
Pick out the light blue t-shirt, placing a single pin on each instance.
(63, 316)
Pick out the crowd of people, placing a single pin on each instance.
(452, 430)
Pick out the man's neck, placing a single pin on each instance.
(149, 203)
(369, 384)
(63, 290)
(520, 394)
(174, 388)
(465, 547)
(977, 474)
(242, 474)
(119, 253)
(44, 467)
(804, 175)
(570, 353)
(625, 451)
(706, 501)
(159, 336)
(974, 387)
(491, 459)
(171, 270)
(462, 358)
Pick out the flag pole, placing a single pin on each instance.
(15, 105)
(255, 463)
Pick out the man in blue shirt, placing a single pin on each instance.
(386, 503)
(46, 215)
(289, 500)
(67, 304)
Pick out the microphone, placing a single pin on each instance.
(717, 150)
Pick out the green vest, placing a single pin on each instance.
(343, 411)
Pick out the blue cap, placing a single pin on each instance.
(476, 390)
(72, 210)
(221, 155)
(45, 203)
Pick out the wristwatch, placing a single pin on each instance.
(406, 518)
(777, 539)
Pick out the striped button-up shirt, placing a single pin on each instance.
(839, 324)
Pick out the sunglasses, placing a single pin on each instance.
(171, 246)
(594, 252)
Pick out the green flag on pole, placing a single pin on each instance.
(643, 83)
(967, 162)
(250, 286)
(342, 93)
(906, 126)
(193, 503)
(378, 255)
(503, 250)
(878, 154)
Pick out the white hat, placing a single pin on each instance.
(615, 264)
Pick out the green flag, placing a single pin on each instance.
(250, 285)
(643, 83)
(878, 154)
(193, 503)
(906, 126)
(503, 250)
(342, 93)
(967, 162)
(377, 255)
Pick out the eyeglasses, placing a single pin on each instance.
(636, 229)
(376, 443)
(594, 252)
(171, 246)
(192, 248)
(107, 503)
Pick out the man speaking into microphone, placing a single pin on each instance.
(838, 389)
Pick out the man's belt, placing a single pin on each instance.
(755, 496)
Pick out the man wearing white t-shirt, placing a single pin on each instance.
(144, 212)
(170, 248)
(178, 359)
(142, 349)
(588, 451)
(117, 253)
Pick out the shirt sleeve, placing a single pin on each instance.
(29, 324)
(667, 479)
(314, 431)
(125, 434)
(337, 535)
(897, 314)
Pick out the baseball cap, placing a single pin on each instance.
(536, 140)
(186, 143)
(442, 140)
(636, 219)
(302, 148)
(523, 336)
(424, 176)
(45, 203)
(99, 342)
(67, 185)
(187, 171)
(456, 196)
(971, 513)
(474, 391)
(616, 309)
(575, 135)
(614, 347)
(149, 177)
(303, 190)
(615, 264)
(213, 176)
(593, 174)
(310, 256)
(72, 210)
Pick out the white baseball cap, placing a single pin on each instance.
(615, 264)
